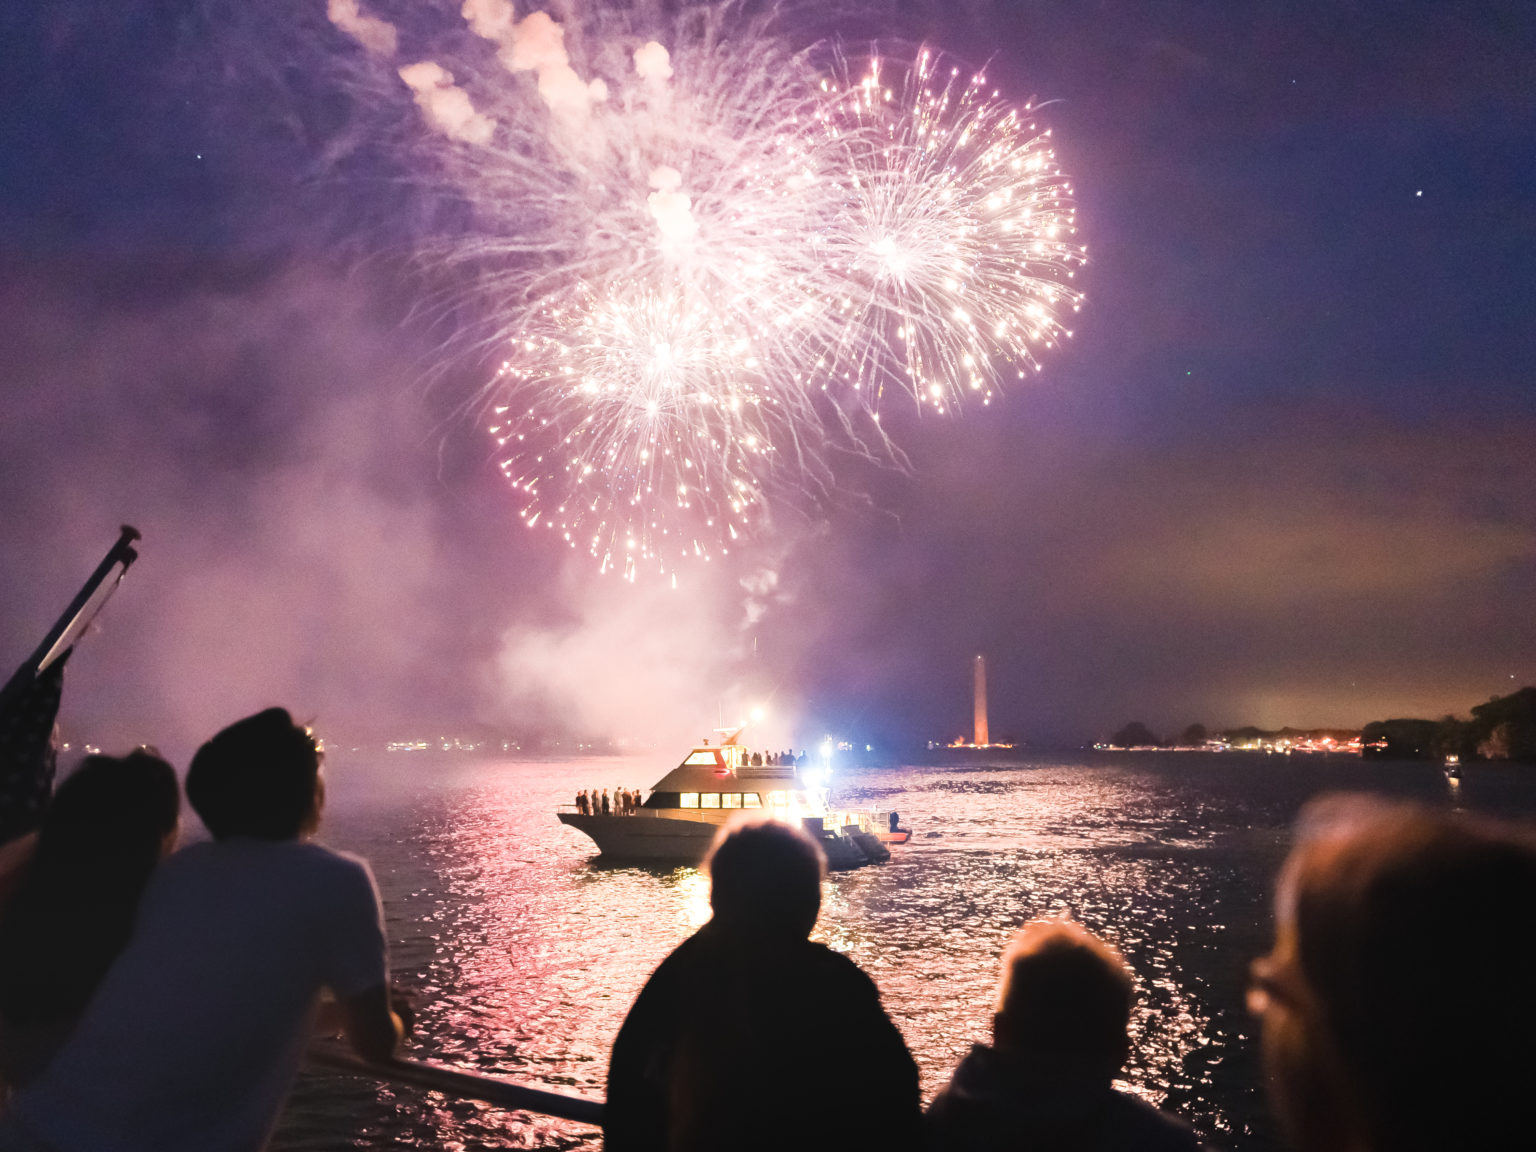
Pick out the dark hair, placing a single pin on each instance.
(131, 799)
(99, 841)
(1067, 994)
(1406, 934)
(765, 877)
(256, 778)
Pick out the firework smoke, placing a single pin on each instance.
(711, 257)
(378, 36)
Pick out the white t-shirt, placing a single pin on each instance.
(193, 1038)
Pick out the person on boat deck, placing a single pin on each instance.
(193, 1037)
(107, 827)
(605, 802)
(581, 801)
(749, 1036)
(1398, 1006)
(1059, 1039)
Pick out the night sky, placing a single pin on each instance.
(1285, 473)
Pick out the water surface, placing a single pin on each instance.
(525, 952)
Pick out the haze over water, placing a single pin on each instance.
(526, 953)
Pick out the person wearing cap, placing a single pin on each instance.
(194, 1036)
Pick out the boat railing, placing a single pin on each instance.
(460, 1085)
(704, 815)
(836, 820)
(575, 811)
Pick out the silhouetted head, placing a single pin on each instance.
(1398, 1004)
(259, 777)
(106, 829)
(1065, 998)
(765, 878)
(113, 808)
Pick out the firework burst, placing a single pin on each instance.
(957, 244)
(709, 259)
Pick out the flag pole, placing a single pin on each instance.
(52, 647)
(29, 702)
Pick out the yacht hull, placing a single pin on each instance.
(645, 837)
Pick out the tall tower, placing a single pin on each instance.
(981, 701)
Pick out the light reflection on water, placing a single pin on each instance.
(525, 953)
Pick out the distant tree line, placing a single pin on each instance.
(1502, 729)
(1135, 735)
(1138, 735)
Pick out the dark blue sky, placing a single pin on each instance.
(1284, 473)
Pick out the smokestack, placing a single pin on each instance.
(981, 701)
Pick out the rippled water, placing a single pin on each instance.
(525, 952)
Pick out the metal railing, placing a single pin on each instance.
(463, 1085)
(701, 815)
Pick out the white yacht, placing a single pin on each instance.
(678, 820)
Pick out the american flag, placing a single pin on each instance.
(29, 704)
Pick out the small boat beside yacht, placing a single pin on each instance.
(677, 822)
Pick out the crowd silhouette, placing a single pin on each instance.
(192, 1036)
(161, 998)
(624, 802)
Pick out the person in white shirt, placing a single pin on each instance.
(192, 1040)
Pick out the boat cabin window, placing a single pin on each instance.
(709, 800)
(777, 799)
(751, 800)
(688, 800)
(730, 800)
(702, 756)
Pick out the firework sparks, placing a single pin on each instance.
(957, 244)
(709, 258)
